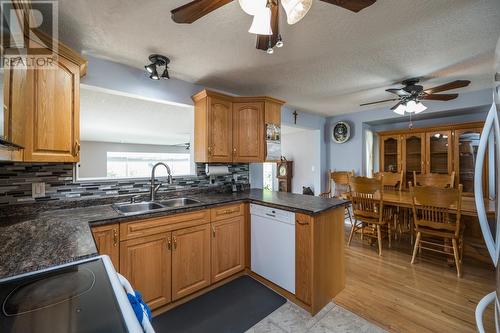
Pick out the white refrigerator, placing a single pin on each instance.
(490, 228)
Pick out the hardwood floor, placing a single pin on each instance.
(424, 297)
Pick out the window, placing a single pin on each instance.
(268, 172)
(139, 165)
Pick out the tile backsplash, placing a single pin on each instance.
(16, 180)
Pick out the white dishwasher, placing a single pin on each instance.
(273, 245)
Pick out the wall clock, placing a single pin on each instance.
(341, 132)
(284, 175)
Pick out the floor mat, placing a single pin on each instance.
(231, 308)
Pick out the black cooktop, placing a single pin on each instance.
(76, 299)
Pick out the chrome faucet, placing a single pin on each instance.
(154, 188)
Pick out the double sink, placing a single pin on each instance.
(150, 206)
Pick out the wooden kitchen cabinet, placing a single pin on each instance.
(43, 109)
(303, 256)
(228, 247)
(413, 156)
(147, 263)
(231, 129)
(213, 123)
(248, 132)
(190, 260)
(107, 240)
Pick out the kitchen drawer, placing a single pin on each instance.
(225, 212)
(141, 228)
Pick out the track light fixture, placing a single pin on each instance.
(157, 61)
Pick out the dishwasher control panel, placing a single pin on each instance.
(272, 213)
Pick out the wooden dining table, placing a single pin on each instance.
(404, 199)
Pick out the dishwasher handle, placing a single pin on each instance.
(271, 215)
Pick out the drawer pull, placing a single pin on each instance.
(302, 223)
(213, 231)
(115, 238)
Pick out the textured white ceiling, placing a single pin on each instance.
(113, 118)
(332, 61)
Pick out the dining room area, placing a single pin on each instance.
(416, 258)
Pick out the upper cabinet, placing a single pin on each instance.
(42, 108)
(390, 151)
(232, 129)
(439, 152)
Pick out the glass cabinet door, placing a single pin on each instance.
(438, 151)
(390, 153)
(466, 146)
(414, 155)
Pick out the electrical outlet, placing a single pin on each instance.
(37, 190)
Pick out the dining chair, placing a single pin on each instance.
(435, 218)
(366, 195)
(339, 188)
(434, 179)
(391, 180)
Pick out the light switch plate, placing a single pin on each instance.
(37, 190)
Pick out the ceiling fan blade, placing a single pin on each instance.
(387, 100)
(399, 92)
(352, 5)
(440, 97)
(263, 40)
(196, 9)
(396, 106)
(448, 86)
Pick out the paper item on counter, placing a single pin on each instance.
(216, 170)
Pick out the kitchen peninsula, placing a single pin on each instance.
(137, 244)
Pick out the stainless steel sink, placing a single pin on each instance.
(178, 202)
(144, 207)
(137, 207)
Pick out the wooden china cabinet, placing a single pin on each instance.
(442, 150)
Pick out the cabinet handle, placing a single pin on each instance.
(77, 148)
(302, 223)
(234, 151)
(175, 242)
(213, 231)
(227, 211)
(169, 244)
(209, 151)
(115, 238)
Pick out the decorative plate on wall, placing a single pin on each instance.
(341, 132)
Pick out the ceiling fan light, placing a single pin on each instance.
(280, 43)
(154, 74)
(150, 68)
(270, 50)
(296, 9)
(261, 24)
(419, 107)
(411, 106)
(165, 74)
(401, 109)
(252, 7)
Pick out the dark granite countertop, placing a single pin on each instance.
(57, 236)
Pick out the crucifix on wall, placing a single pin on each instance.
(295, 114)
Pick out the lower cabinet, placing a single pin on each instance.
(190, 260)
(228, 247)
(147, 263)
(303, 255)
(107, 240)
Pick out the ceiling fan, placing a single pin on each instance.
(266, 15)
(411, 95)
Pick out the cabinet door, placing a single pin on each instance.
(146, 263)
(54, 121)
(18, 101)
(228, 247)
(190, 260)
(107, 240)
(390, 153)
(248, 132)
(303, 258)
(466, 142)
(220, 130)
(413, 155)
(438, 152)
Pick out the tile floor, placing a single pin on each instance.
(290, 318)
